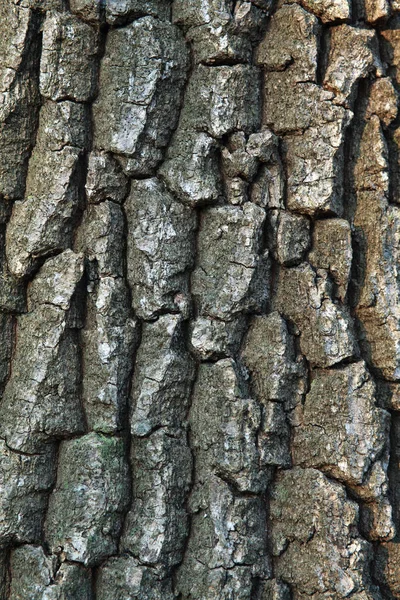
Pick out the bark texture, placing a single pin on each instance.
(199, 300)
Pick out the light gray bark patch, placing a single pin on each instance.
(68, 63)
(221, 31)
(41, 400)
(141, 81)
(160, 252)
(164, 372)
(43, 222)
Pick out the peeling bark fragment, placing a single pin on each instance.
(43, 223)
(87, 505)
(124, 578)
(315, 537)
(221, 30)
(36, 576)
(68, 63)
(342, 431)
(231, 272)
(212, 338)
(157, 526)
(24, 481)
(289, 237)
(163, 377)
(41, 399)
(105, 179)
(327, 10)
(226, 548)
(269, 353)
(19, 97)
(326, 335)
(161, 239)
(343, 73)
(141, 80)
(332, 250)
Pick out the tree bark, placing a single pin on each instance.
(199, 299)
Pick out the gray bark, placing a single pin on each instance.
(199, 299)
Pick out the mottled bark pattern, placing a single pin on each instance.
(199, 300)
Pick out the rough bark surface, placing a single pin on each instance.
(199, 300)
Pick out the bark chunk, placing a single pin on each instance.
(91, 494)
(157, 526)
(269, 353)
(314, 537)
(36, 576)
(141, 80)
(163, 377)
(41, 399)
(221, 30)
(110, 334)
(332, 250)
(67, 67)
(19, 97)
(231, 273)
(25, 481)
(105, 179)
(218, 101)
(161, 238)
(124, 578)
(326, 331)
(43, 223)
(327, 10)
(343, 433)
(342, 74)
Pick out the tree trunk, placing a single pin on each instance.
(199, 299)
